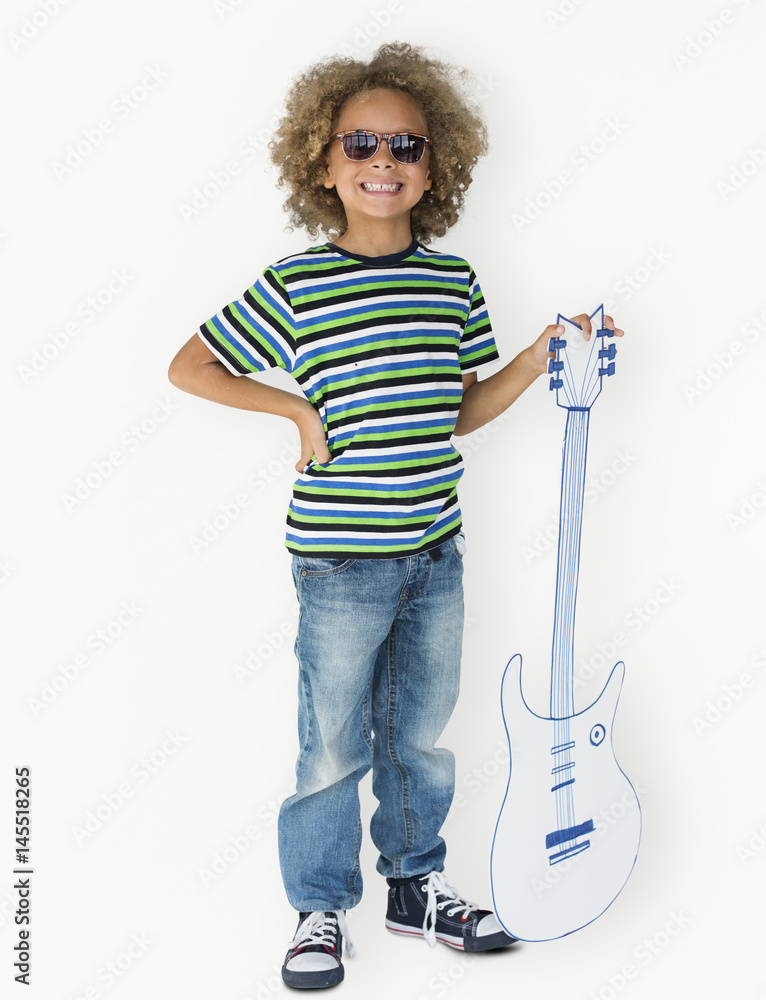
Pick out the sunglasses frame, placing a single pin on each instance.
(388, 136)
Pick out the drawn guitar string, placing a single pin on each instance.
(567, 836)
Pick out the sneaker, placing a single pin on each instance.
(427, 906)
(313, 960)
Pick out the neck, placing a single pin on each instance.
(375, 243)
(568, 563)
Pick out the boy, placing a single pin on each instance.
(385, 338)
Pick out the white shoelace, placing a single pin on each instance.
(437, 885)
(318, 928)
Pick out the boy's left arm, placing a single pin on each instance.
(486, 399)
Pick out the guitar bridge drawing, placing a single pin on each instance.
(567, 836)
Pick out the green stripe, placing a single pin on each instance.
(356, 292)
(399, 404)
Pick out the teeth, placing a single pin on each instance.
(369, 186)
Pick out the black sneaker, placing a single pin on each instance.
(427, 906)
(313, 960)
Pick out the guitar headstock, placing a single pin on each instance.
(580, 365)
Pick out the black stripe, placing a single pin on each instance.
(390, 381)
(341, 553)
(385, 474)
(400, 352)
(378, 501)
(219, 349)
(382, 324)
(269, 321)
(312, 272)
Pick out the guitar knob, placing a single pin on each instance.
(556, 383)
(608, 352)
(556, 344)
(609, 370)
(555, 366)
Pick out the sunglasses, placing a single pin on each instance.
(405, 147)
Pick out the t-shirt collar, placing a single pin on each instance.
(391, 258)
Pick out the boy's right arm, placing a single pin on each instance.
(197, 370)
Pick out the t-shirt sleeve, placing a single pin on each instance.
(256, 331)
(477, 345)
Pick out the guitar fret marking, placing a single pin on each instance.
(561, 785)
(555, 858)
(562, 767)
(562, 747)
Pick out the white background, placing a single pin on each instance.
(195, 760)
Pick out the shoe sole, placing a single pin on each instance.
(488, 943)
(313, 980)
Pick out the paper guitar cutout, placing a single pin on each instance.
(567, 835)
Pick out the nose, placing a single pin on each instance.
(382, 157)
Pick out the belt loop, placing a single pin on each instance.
(435, 554)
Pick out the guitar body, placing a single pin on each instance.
(567, 836)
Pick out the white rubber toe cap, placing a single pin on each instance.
(312, 961)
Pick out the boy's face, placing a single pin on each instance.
(378, 111)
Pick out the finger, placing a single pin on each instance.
(610, 326)
(304, 460)
(552, 332)
(583, 321)
(321, 450)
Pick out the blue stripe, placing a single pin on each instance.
(388, 457)
(399, 278)
(352, 540)
(428, 336)
(374, 367)
(223, 334)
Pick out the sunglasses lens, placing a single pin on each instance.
(360, 145)
(407, 148)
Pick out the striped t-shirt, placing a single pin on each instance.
(378, 345)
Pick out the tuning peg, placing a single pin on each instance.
(556, 344)
(609, 370)
(608, 352)
(555, 366)
(606, 332)
(556, 383)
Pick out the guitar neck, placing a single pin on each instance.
(568, 562)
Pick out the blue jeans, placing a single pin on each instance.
(379, 645)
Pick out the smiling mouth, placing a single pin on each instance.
(371, 186)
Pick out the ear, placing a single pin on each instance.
(329, 181)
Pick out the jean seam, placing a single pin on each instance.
(355, 870)
(426, 578)
(406, 817)
(315, 573)
(365, 717)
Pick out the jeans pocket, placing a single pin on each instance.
(459, 542)
(310, 566)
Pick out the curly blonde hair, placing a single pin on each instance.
(316, 98)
